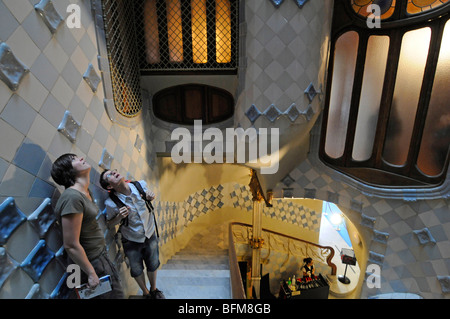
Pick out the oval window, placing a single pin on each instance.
(184, 104)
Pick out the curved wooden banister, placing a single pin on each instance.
(328, 259)
(237, 286)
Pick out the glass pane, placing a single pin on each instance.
(436, 134)
(341, 93)
(413, 57)
(418, 6)
(151, 32)
(387, 7)
(369, 105)
(174, 30)
(223, 31)
(199, 35)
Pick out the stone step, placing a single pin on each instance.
(194, 281)
(193, 273)
(202, 251)
(188, 283)
(199, 271)
(195, 265)
(200, 259)
(189, 291)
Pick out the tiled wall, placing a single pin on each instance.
(176, 216)
(30, 140)
(286, 58)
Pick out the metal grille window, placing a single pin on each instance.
(123, 58)
(187, 35)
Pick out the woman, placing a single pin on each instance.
(82, 237)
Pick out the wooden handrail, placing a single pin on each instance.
(329, 258)
(237, 285)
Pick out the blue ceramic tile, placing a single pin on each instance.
(43, 217)
(106, 160)
(10, 219)
(69, 127)
(29, 157)
(311, 92)
(253, 113)
(444, 281)
(276, 3)
(138, 143)
(272, 113)
(12, 71)
(300, 3)
(36, 262)
(424, 236)
(49, 15)
(41, 189)
(61, 290)
(293, 113)
(7, 266)
(92, 78)
(36, 293)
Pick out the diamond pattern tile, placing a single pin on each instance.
(272, 113)
(92, 78)
(311, 92)
(49, 15)
(106, 160)
(276, 3)
(12, 70)
(43, 218)
(253, 113)
(38, 259)
(424, 236)
(293, 113)
(36, 292)
(7, 266)
(69, 127)
(301, 3)
(10, 219)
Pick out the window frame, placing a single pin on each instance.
(375, 171)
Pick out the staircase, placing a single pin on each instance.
(200, 271)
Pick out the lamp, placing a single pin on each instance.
(348, 258)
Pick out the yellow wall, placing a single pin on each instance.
(178, 181)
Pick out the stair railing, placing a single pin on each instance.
(272, 241)
(237, 285)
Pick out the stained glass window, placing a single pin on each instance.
(386, 118)
(410, 72)
(361, 7)
(341, 93)
(436, 134)
(419, 6)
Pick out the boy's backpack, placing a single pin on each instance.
(149, 205)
